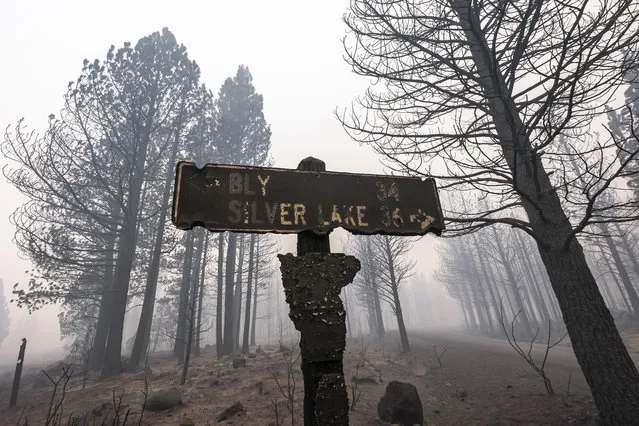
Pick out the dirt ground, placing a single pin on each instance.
(480, 381)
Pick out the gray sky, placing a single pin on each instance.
(292, 48)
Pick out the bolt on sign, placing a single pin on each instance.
(259, 199)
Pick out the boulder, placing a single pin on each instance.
(230, 412)
(401, 404)
(239, 362)
(163, 399)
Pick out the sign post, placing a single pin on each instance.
(18, 374)
(310, 202)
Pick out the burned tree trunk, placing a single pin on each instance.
(183, 301)
(257, 277)
(198, 329)
(143, 333)
(237, 306)
(621, 268)
(126, 252)
(96, 356)
(231, 252)
(249, 287)
(609, 370)
(514, 290)
(219, 342)
(377, 306)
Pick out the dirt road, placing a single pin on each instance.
(461, 380)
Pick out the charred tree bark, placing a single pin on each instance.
(249, 288)
(198, 329)
(514, 289)
(126, 253)
(613, 274)
(628, 249)
(190, 332)
(183, 302)
(96, 357)
(397, 308)
(219, 341)
(534, 283)
(231, 252)
(489, 279)
(621, 268)
(599, 349)
(381, 330)
(143, 333)
(477, 296)
(257, 278)
(237, 309)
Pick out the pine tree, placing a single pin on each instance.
(242, 137)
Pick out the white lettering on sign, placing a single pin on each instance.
(255, 212)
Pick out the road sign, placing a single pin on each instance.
(258, 199)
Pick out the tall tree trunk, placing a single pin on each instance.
(201, 296)
(192, 303)
(478, 302)
(219, 342)
(237, 310)
(469, 309)
(126, 253)
(377, 304)
(231, 252)
(533, 281)
(628, 249)
(599, 349)
(257, 278)
(403, 335)
(548, 291)
(349, 331)
(396, 302)
(621, 268)
(372, 312)
(249, 288)
(183, 303)
(143, 333)
(604, 283)
(96, 355)
(613, 273)
(514, 289)
(489, 279)
(372, 270)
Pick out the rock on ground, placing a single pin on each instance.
(163, 399)
(230, 412)
(401, 404)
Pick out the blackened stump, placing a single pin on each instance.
(312, 284)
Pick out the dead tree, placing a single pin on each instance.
(485, 67)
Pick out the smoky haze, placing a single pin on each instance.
(303, 80)
(522, 112)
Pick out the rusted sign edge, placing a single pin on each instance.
(281, 169)
(320, 230)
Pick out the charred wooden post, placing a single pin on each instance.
(18, 374)
(312, 284)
